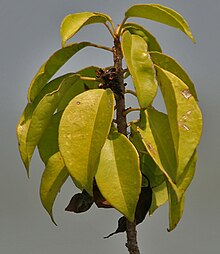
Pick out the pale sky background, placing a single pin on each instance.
(29, 34)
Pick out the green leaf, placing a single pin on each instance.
(51, 66)
(80, 86)
(54, 176)
(150, 169)
(188, 173)
(141, 67)
(159, 198)
(155, 131)
(48, 144)
(84, 127)
(118, 176)
(162, 14)
(169, 64)
(184, 116)
(176, 208)
(42, 114)
(134, 28)
(21, 131)
(72, 23)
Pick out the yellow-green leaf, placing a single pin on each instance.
(169, 64)
(176, 208)
(184, 116)
(188, 173)
(84, 127)
(80, 86)
(72, 23)
(155, 131)
(134, 28)
(48, 144)
(135, 51)
(160, 197)
(51, 66)
(118, 176)
(42, 114)
(54, 176)
(162, 14)
(21, 131)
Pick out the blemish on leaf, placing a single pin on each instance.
(78, 102)
(186, 93)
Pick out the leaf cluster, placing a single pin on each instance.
(70, 119)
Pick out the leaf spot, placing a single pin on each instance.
(78, 102)
(186, 94)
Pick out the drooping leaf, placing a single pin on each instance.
(188, 173)
(160, 197)
(118, 176)
(21, 131)
(54, 176)
(176, 208)
(155, 131)
(141, 67)
(150, 169)
(72, 23)
(134, 28)
(80, 203)
(169, 64)
(80, 86)
(184, 116)
(48, 144)
(51, 66)
(84, 127)
(162, 14)
(42, 114)
(148, 166)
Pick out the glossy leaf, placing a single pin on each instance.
(135, 51)
(84, 127)
(80, 86)
(42, 114)
(54, 176)
(134, 28)
(169, 64)
(184, 116)
(160, 197)
(118, 176)
(51, 66)
(48, 144)
(72, 23)
(162, 14)
(155, 131)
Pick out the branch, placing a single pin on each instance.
(122, 128)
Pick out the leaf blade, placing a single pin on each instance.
(134, 28)
(51, 66)
(72, 23)
(141, 67)
(42, 114)
(162, 14)
(88, 115)
(169, 64)
(54, 176)
(184, 116)
(118, 176)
